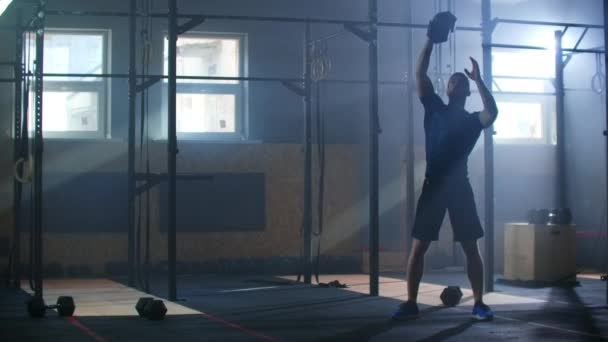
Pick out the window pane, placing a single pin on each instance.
(519, 120)
(67, 111)
(523, 67)
(524, 64)
(197, 56)
(206, 113)
(520, 85)
(73, 53)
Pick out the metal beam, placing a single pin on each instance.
(488, 26)
(18, 153)
(192, 23)
(295, 87)
(210, 78)
(410, 158)
(172, 150)
(561, 200)
(578, 43)
(217, 78)
(255, 18)
(131, 148)
(374, 132)
(148, 83)
(606, 113)
(542, 48)
(307, 224)
(546, 23)
(362, 34)
(38, 150)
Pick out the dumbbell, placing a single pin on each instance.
(150, 308)
(451, 295)
(37, 308)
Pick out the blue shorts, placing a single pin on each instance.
(454, 196)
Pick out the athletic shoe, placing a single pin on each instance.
(482, 312)
(406, 311)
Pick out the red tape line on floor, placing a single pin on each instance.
(239, 328)
(85, 329)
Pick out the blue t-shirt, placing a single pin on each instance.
(450, 135)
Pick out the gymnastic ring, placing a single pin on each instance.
(317, 71)
(598, 83)
(27, 178)
(328, 66)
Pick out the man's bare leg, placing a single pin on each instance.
(415, 268)
(474, 269)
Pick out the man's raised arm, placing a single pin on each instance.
(424, 86)
(490, 110)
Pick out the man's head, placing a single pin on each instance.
(458, 86)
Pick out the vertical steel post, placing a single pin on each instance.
(374, 132)
(307, 229)
(410, 156)
(172, 149)
(131, 147)
(38, 150)
(488, 28)
(17, 152)
(561, 190)
(606, 131)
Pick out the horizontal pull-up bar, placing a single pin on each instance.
(250, 18)
(531, 47)
(545, 23)
(208, 78)
(215, 78)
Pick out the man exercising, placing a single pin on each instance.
(450, 135)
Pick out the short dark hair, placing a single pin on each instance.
(459, 74)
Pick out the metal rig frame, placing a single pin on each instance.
(302, 87)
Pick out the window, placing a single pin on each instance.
(209, 108)
(524, 91)
(73, 106)
(523, 72)
(519, 120)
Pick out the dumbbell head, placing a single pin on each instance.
(36, 307)
(141, 305)
(451, 296)
(65, 306)
(155, 310)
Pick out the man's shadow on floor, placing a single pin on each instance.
(370, 331)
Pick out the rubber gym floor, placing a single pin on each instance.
(266, 308)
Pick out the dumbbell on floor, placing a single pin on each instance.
(451, 296)
(65, 306)
(150, 308)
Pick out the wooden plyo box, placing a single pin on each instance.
(538, 252)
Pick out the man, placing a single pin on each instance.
(451, 133)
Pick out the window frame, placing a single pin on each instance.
(99, 85)
(239, 90)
